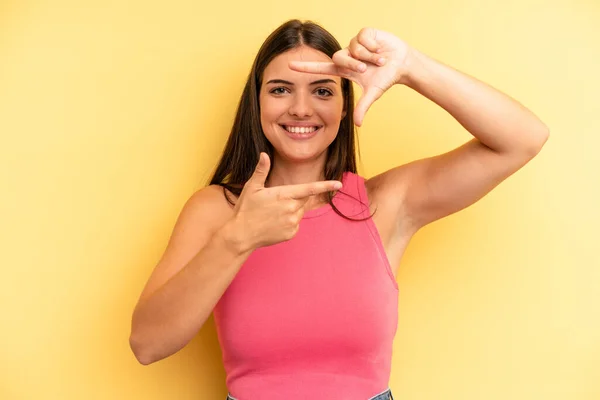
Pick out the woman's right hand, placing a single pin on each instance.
(266, 216)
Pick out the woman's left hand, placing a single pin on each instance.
(361, 62)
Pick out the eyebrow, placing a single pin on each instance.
(320, 81)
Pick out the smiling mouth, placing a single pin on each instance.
(301, 130)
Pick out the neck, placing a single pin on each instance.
(289, 172)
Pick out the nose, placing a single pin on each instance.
(301, 106)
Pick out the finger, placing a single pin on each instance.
(368, 38)
(323, 68)
(359, 51)
(315, 67)
(365, 102)
(304, 190)
(344, 59)
(261, 171)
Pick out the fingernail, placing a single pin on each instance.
(362, 67)
(337, 185)
(381, 61)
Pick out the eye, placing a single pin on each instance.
(276, 90)
(324, 92)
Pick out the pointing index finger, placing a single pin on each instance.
(316, 67)
(304, 190)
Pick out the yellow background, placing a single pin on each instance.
(113, 113)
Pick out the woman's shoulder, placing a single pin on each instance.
(211, 203)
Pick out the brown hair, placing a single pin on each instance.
(247, 140)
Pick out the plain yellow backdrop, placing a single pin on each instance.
(113, 113)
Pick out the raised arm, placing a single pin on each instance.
(506, 134)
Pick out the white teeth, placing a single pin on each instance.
(295, 129)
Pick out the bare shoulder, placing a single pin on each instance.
(386, 192)
(210, 204)
(206, 207)
(386, 197)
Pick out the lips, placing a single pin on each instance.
(299, 127)
(301, 136)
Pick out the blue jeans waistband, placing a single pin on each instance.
(385, 395)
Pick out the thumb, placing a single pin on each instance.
(365, 102)
(259, 176)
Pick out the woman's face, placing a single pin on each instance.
(300, 112)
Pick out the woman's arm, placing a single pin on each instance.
(507, 135)
(496, 120)
(180, 295)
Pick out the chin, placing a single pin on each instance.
(301, 155)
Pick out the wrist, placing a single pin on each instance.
(232, 235)
(414, 68)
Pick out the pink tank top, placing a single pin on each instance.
(313, 317)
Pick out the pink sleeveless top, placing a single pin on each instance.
(313, 317)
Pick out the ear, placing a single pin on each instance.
(343, 113)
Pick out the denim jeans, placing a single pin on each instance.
(386, 395)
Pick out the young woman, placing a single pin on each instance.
(294, 252)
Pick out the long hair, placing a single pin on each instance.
(247, 139)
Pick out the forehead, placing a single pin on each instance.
(278, 67)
